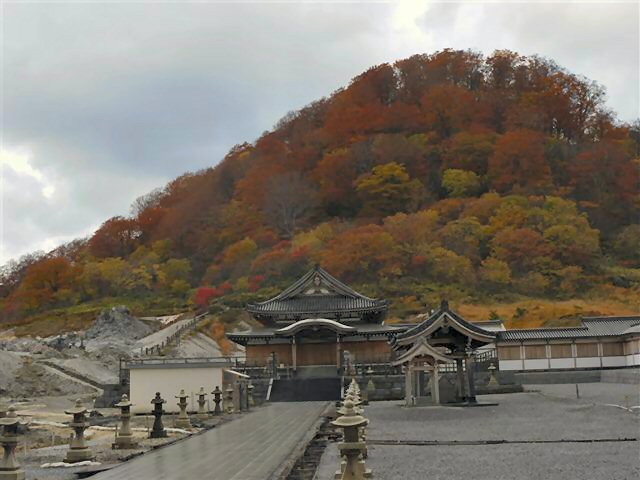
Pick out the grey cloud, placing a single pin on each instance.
(115, 99)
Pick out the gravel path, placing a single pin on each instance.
(552, 416)
(563, 461)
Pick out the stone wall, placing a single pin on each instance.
(260, 387)
(627, 375)
(387, 387)
(550, 377)
(111, 394)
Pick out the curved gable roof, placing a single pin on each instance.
(433, 321)
(318, 294)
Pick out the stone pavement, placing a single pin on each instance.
(252, 447)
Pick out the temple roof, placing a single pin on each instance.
(592, 327)
(443, 317)
(317, 294)
(345, 331)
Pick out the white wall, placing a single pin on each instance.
(536, 364)
(562, 363)
(618, 361)
(588, 362)
(510, 365)
(633, 359)
(145, 382)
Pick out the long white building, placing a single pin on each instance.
(600, 342)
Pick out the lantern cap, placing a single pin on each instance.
(124, 401)
(350, 417)
(158, 399)
(77, 409)
(217, 389)
(11, 418)
(182, 395)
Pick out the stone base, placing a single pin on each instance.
(126, 443)
(79, 455)
(161, 434)
(12, 474)
(182, 423)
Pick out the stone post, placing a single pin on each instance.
(367, 390)
(228, 404)
(9, 468)
(78, 449)
(124, 438)
(202, 411)
(158, 430)
(493, 381)
(217, 398)
(183, 419)
(250, 399)
(352, 449)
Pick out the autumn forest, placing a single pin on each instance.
(484, 179)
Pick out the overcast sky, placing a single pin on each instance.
(102, 102)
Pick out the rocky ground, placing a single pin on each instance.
(47, 437)
(78, 362)
(31, 378)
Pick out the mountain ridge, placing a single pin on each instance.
(485, 179)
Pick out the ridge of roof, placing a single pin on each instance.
(298, 287)
(444, 308)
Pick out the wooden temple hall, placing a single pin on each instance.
(317, 322)
(321, 328)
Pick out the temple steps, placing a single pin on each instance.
(305, 389)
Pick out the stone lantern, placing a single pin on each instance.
(229, 399)
(217, 399)
(202, 411)
(183, 419)
(352, 449)
(124, 438)
(9, 468)
(158, 430)
(78, 449)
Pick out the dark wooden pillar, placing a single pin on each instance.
(471, 398)
(460, 379)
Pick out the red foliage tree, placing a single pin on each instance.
(518, 160)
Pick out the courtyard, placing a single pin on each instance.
(545, 433)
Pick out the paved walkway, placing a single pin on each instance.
(252, 447)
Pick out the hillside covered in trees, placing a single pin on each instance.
(485, 179)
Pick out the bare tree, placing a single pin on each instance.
(145, 201)
(289, 197)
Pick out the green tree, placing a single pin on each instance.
(495, 274)
(176, 269)
(461, 183)
(388, 189)
(627, 245)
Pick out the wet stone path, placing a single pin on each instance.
(254, 446)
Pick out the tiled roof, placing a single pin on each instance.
(591, 327)
(444, 308)
(270, 333)
(316, 304)
(332, 299)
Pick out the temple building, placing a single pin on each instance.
(442, 338)
(599, 342)
(317, 321)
